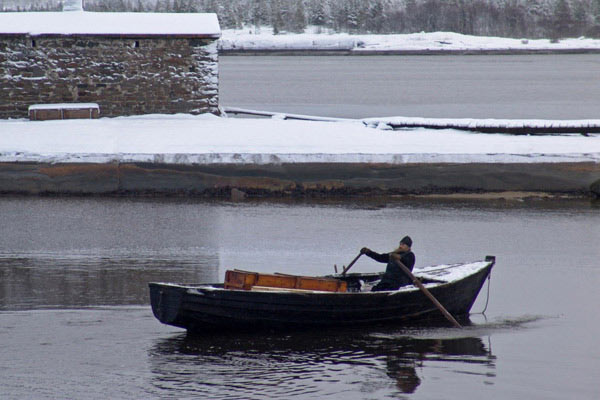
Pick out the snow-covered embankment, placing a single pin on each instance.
(263, 40)
(210, 155)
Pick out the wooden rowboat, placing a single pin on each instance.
(252, 301)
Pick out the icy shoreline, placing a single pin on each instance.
(251, 40)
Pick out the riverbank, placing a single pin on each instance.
(263, 42)
(214, 156)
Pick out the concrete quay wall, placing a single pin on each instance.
(297, 179)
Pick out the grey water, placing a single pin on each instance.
(75, 320)
(504, 86)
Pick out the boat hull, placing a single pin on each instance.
(209, 307)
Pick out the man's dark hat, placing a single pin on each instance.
(407, 241)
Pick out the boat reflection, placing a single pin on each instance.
(313, 363)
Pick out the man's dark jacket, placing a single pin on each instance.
(394, 277)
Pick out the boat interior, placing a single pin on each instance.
(254, 281)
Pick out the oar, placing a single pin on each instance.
(351, 264)
(427, 293)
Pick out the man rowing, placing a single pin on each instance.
(394, 277)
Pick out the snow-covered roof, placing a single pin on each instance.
(110, 24)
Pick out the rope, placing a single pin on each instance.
(487, 299)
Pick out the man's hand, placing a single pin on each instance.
(364, 250)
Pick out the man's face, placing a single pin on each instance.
(403, 247)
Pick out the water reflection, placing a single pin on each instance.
(58, 282)
(304, 363)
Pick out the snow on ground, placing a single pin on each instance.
(263, 39)
(251, 38)
(206, 139)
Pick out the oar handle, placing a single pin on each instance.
(351, 264)
(427, 293)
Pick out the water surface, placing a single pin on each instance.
(505, 86)
(75, 320)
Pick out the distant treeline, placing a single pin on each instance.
(507, 18)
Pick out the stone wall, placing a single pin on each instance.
(125, 76)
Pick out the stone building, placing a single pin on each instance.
(128, 63)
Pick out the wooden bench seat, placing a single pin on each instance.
(45, 112)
